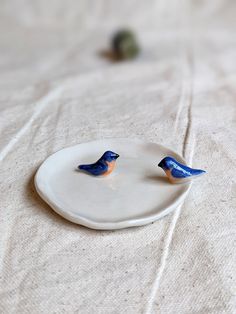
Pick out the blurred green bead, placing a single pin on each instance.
(125, 45)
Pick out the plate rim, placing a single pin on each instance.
(92, 224)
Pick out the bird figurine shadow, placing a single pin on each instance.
(104, 166)
(177, 172)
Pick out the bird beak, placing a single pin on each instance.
(160, 164)
(117, 156)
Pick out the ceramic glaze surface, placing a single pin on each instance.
(137, 192)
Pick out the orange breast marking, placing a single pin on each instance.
(172, 179)
(169, 175)
(111, 166)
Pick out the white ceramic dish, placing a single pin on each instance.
(135, 193)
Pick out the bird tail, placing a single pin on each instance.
(83, 167)
(198, 172)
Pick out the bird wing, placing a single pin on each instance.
(180, 173)
(98, 168)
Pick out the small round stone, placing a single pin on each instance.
(124, 45)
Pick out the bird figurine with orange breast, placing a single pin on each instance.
(104, 166)
(177, 172)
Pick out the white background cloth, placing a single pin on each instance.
(56, 91)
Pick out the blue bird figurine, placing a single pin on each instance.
(177, 172)
(104, 166)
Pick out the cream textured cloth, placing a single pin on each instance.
(56, 90)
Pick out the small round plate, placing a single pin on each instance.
(136, 193)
